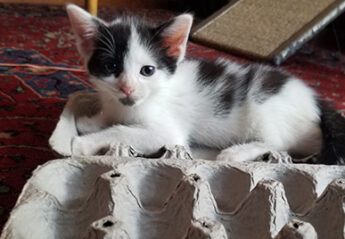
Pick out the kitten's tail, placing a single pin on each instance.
(333, 130)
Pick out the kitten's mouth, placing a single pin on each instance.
(127, 101)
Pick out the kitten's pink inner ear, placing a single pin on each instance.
(176, 36)
(174, 43)
(84, 27)
(81, 21)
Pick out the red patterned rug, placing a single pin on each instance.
(30, 102)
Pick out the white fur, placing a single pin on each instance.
(63, 133)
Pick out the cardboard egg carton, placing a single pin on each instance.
(119, 196)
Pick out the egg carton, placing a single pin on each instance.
(175, 196)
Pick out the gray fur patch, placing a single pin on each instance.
(245, 83)
(127, 101)
(210, 72)
(226, 98)
(272, 81)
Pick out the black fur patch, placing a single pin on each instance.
(226, 98)
(234, 87)
(271, 83)
(332, 125)
(244, 83)
(111, 47)
(235, 91)
(127, 101)
(210, 72)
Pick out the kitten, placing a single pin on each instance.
(151, 96)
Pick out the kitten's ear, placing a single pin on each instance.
(175, 35)
(84, 26)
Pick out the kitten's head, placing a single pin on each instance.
(128, 58)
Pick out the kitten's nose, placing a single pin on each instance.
(127, 90)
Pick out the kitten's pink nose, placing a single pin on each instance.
(126, 89)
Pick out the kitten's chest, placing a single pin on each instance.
(113, 113)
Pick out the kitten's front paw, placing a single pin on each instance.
(241, 153)
(61, 138)
(81, 145)
(232, 154)
(244, 152)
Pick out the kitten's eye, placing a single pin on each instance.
(110, 68)
(147, 70)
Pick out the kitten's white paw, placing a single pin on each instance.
(83, 146)
(87, 125)
(61, 145)
(243, 152)
(61, 138)
(234, 154)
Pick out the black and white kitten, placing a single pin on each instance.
(151, 96)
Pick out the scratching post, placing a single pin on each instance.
(266, 29)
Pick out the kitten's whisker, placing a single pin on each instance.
(106, 52)
(109, 41)
(105, 56)
(107, 46)
(106, 43)
(112, 38)
(153, 37)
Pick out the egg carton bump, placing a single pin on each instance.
(175, 196)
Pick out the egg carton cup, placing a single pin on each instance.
(175, 196)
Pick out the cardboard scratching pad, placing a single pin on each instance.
(266, 29)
